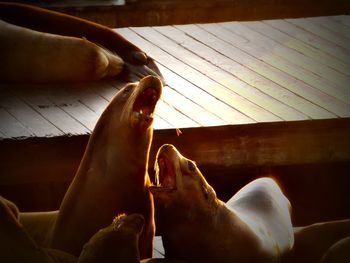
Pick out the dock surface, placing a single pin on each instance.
(217, 74)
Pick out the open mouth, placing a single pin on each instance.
(165, 176)
(146, 100)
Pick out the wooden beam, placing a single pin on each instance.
(310, 159)
(263, 144)
(160, 12)
(235, 146)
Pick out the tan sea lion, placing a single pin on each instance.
(74, 50)
(112, 177)
(35, 57)
(254, 226)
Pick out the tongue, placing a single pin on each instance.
(166, 173)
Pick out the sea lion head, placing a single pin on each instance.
(140, 99)
(116, 243)
(178, 180)
(129, 116)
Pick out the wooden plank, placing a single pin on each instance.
(345, 20)
(340, 80)
(159, 123)
(88, 94)
(193, 93)
(106, 91)
(189, 108)
(309, 26)
(262, 48)
(332, 25)
(189, 74)
(223, 40)
(311, 39)
(255, 80)
(249, 97)
(27, 116)
(63, 98)
(174, 117)
(12, 128)
(51, 112)
(318, 55)
(158, 247)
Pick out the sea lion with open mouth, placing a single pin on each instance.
(254, 226)
(112, 177)
(42, 46)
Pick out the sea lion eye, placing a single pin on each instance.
(191, 166)
(127, 89)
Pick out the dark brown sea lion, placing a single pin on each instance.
(29, 55)
(254, 226)
(17, 246)
(112, 177)
(117, 242)
(328, 240)
(339, 252)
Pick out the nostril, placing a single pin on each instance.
(140, 57)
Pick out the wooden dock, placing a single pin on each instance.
(274, 93)
(217, 74)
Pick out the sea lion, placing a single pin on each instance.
(80, 37)
(326, 240)
(254, 226)
(35, 57)
(117, 243)
(17, 246)
(112, 177)
(339, 252)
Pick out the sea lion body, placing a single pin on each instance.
(112, 177)
(17, 246)
(339, 252)
(75, 49)
(35, 57)
(116, 243)
(315, 241)
(198, 227)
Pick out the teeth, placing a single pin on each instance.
(137, 114)
(140, 114)
(156, 168)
